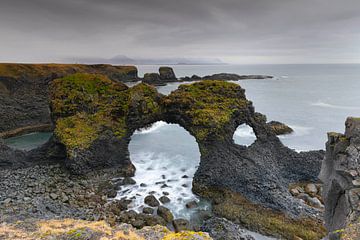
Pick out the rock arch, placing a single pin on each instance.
(95, 117)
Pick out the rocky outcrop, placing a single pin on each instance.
(225, 77)
(280, 128)
(85, 107)
(340, 173)
(24, 89)
(167, 74)
(153, 79)
(95, 118)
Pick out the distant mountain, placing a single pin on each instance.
(122, 59)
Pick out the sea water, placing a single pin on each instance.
(28, 141)
(312, 99)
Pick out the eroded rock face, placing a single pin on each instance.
(340, 174)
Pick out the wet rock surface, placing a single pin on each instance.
(340, 174)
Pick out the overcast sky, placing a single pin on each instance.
(236, 31)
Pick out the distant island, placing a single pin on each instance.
(122, 59)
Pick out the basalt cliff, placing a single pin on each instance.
(340, 174)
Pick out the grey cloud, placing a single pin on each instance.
(49, 30)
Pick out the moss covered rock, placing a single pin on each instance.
(95, 116)
(210, 106)
(280, 128)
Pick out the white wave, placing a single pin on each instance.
(298, 131)
(327, 105)
(285, 76)
(155, 127)
(244, 131)
(153, 170)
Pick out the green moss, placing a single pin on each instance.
(84, 105)
(209, 104)
(236, 208)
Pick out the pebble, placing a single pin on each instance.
(164, 199)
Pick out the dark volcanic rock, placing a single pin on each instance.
(165, 214)
(221, 229)
(192, 204)
(164, 199)
(279, 128)
(153, 79)
(103, 115)
(148, 210)
(151, 201)
(181, 225)
(232, 76)
(167, 74)
(340, 174)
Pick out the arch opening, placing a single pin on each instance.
(244, 135)
(166, 158)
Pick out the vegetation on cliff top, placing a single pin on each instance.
(209, 104)
(42, 70)
(84, 105)
(80, 230)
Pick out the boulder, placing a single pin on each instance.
(192, 204)
(181, 225)
(153, 79)
(165, 213)
(164, 199)
(167, 74)
(151, 201)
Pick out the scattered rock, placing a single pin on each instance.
(164, 199)
(192, 204)
(151, 201)
(53, 196)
